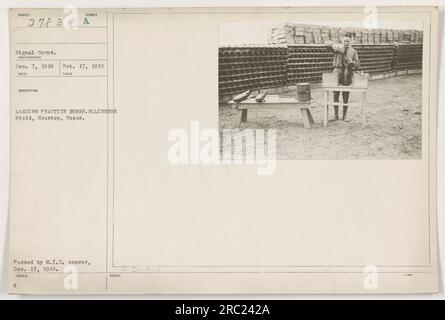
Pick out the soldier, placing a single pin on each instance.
(345, 60)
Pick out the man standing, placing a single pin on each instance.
(345, 60)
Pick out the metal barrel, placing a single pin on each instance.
(303, 91)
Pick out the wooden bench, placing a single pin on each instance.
(330, 89)
(330, 84)
(272, 102)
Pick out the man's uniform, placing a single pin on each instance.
(342, 54)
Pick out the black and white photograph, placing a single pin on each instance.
(332, 90)
(288, 151)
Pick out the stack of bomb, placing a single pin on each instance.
(244, 68)
(251, 68)
(376, 58)
(306, 63)
(407, 57)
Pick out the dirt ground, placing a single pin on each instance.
(393, 129)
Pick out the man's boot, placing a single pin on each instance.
(336, 117)
(345, 112)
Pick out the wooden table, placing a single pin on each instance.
(327, 93)
(272, 102)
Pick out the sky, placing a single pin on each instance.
(256, 32)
